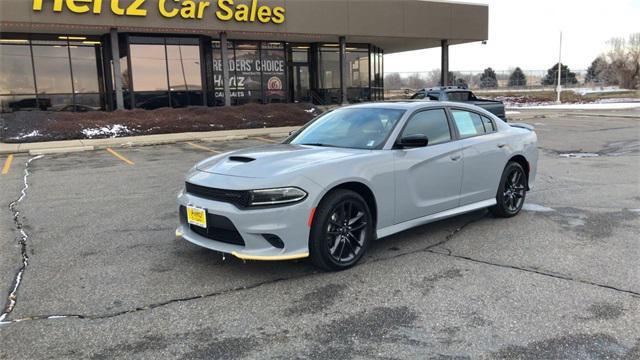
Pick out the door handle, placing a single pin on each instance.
(501, 145)
(456, 157)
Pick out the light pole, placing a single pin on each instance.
(559, 88)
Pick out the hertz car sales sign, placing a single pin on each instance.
(225, 10)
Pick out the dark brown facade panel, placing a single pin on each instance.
(419, 22)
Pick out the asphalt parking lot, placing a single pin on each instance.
(106, 277)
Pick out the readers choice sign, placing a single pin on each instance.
(249, 74)
(249, 11)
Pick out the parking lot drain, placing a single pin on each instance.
(22, 241)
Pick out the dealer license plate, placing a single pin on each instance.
(197, 216)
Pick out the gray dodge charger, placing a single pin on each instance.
(356, 174)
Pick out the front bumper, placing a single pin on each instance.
(289, 223)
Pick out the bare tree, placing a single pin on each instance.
(393, 81)
(433, 78)
(415, 81)
(623, 59)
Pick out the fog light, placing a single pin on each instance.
(274, 240)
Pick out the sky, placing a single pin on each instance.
(526, 34)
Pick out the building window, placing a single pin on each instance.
(53, 70)
(246, 68)
(185, 77)
(218, 81)
(329, 90)
(358, 74)
(256, 72)
(329, 66)
(377, 86)
(165, 72)
(300, 54)
(16, 75)
(67, 73)
(272, 65)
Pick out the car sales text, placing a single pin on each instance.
(225, 10)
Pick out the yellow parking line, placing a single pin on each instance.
(204, 148)
(120, 156)
(7, 164)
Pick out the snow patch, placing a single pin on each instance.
(579, 155)
(512, 112)
(596, 90)
(536, 208)
(310, 111)
(109, 130)
(592, 106)
(34, 133)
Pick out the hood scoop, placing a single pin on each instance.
(242, 159)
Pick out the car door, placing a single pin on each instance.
(485, 153)
(428, 179)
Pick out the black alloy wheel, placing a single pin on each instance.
(341, 230)
(511, 192)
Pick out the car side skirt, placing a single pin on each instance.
(393, 229)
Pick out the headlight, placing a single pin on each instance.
(277, 196)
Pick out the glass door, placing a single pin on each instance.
(299, 80)
(301, 83)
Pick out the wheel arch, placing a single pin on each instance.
(361, 189)
(520, 159)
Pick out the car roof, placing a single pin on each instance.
(447, 88)
(408, 105)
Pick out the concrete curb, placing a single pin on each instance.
(57, 147)
(61, 150)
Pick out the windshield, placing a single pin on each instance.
(357, 128)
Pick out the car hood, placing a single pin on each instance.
(270, 160)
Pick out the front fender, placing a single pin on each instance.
(375, 170)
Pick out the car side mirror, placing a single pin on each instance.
(414, 141)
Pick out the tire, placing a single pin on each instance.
(333, 243)
(512, 191)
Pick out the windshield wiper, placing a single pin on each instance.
(317, 144)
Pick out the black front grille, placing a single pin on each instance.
(238, 198)
(219, 228)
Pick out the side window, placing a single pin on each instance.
(458, 96)
(434, 96)
(468, 123)
(432, 123)
(489, 126)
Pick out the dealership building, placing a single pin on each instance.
(124, 54)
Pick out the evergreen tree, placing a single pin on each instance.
(595, 70)
(488, 79)
(567, 77)
(517, 78)
(461, 82)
